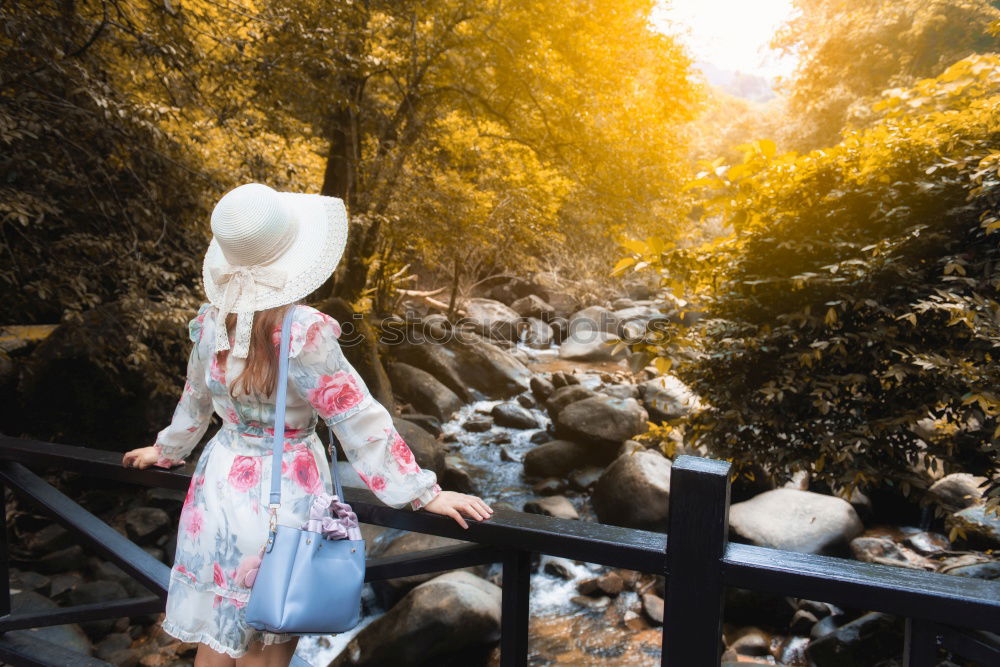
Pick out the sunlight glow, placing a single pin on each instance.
(730, 34)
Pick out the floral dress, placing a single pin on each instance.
(224, 519)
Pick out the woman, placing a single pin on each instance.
(269, 251)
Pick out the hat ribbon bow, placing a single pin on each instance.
(240, 283)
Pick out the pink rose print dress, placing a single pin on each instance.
(224, 519)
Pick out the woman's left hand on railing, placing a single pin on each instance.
(142, 457)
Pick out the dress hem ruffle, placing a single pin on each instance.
(267, 638)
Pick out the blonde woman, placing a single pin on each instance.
(268, 252)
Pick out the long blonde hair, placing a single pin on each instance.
(260, 374)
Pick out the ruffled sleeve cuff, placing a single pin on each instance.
(425, 497)
(164, 461)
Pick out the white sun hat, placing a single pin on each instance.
(268, 249)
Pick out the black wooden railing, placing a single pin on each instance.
(957, 614)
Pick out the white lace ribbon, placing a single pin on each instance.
(240, 284)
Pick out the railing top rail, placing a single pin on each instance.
(928, 595)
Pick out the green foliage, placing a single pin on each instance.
(851, 324)
(849, 51)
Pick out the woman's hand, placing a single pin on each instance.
(450, 502)
(143, 457)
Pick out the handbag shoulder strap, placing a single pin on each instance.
(279, 419)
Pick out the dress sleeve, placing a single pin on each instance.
(323, 376)
(194, 409)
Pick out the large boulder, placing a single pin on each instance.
(560, 457)
(957, 491)
(590, 345)
(472, 368)
(389, 591)
(633, 321)
(533, 306)
(601, 419)
(796, 520)
(666, 398)
(564, 395)
(594, 318)
(492, 319)
(452, 613)
(513, 416)
(634, 491)
(423, 391)
(535, 333)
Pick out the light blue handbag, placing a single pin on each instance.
(307, 584)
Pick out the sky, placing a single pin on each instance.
(730, 34)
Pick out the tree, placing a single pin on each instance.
(850, 50)
(853, 325)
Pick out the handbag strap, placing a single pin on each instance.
(279, 420)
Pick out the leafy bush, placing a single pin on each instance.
(851, 322)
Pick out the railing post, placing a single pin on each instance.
(919, 644)
(514, 608)
(698, 532)
(5, 602)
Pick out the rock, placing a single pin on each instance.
(145, 524)
(591, 345)
(50, 538)
(802, 623)
(513, 415)
(535, 333)
(611, 583)
(558, 567)
(927, 543)
(477, 425)
(563, 379)
(491, 319)
(549, 486)
(634, 321)
(752, 642)
(886, 552)
(557, 506)
(93, 592)
(526, 401)
(112, 644)
(472, 368)
(601, 419)
(61, 561)
(757, 608)
(389, 591)
(600, 602)
(634, 492)
(630, 446)
(985, 570)
(449, 614)
(594, 318)
(534, 306)
(423, 391)
(666, 398)
(459, 474)
(68, 636)
(429, 423)
(558, 457)
(796, 521)
(540, 387)
(539, 437)
(584, 479)
(506, 454)
(862, 642)
(516, 288)
(957, 491)
(426, 450)
(26, 580)
(622, 302)
(652, 605)
(620, 390)
(979, 526)
(565, 395)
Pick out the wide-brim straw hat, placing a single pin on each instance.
(268, 249)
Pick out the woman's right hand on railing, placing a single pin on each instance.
(142, 457)
(454, 504)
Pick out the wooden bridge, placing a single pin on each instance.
(942, 612)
